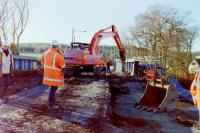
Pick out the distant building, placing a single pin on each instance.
(194, 65)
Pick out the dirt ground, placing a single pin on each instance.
(23, 81)
(90, 104)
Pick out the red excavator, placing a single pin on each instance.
(86, 57)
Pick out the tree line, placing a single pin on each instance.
(164, 33)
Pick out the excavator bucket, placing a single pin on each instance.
(158, 98)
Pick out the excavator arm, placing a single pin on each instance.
(105, 33)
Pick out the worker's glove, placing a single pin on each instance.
(11, 74)
(63, 70)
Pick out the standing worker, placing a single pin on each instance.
(6, 65)
(108, 67)
(195, 89)
(53, 63)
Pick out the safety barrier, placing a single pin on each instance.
(118, 65)
(25, 63)
(128, 66)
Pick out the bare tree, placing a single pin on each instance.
(14, 16)
(4, 18)
(129, 45)
(19, 20)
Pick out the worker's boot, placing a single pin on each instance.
(53, 107)
(3, 98)
(1, 94)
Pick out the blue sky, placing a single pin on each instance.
(54, 19)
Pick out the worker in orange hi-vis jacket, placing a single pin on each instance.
(53, 63)
(195, 89)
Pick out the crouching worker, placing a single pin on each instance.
(6, 65)
(53, 63)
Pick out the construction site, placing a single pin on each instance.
(146, 80)
(136, 98)
(90, 104)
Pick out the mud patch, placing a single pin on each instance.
(120, 121)
(23, 82)
(88, 106)
(185, 122)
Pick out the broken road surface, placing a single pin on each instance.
(91, 104)
(81, 102)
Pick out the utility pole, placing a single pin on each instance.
(73, 34)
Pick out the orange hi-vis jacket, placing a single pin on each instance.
(195, 89)
(53, 62)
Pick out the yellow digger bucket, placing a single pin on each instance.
(158, 98)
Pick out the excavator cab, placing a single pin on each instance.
(79, 46)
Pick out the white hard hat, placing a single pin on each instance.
(55, 43)
(6, 44)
